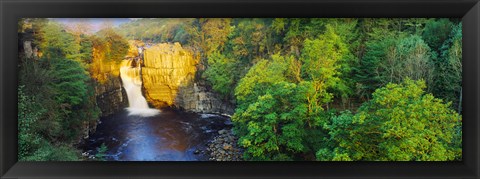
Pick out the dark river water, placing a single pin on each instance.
(170, 136)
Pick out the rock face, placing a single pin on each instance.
(195, 97)
(168, 74)
(27, 48)
(111, 97)
(166, 68)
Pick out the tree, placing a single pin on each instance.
(56, 43)
(215, 32)
(335, 147)
(238, 48)
(69, 82)
(271, 114)
(109, 49)
(411, 58)
(219, 73)
(323, 61)
(32, 29)
(400, 123)
(392, 56)
(436, 31)
(448, 69)
(29, 112)
(375, 37)
(117, 46)
(158, 30)
(86, 50)
(207, 36)
(248, 40)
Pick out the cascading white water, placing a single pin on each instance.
(133, 86)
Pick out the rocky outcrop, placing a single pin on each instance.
(166, 67)
(27, 49)
(196, 97)
(111, 97)
(168, 72)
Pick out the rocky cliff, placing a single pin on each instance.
(111, 97)
(196, 97)
(166, 67)
(168, 74)
(109, 93)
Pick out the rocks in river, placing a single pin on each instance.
(196, 152)
(227, 147)
(224, 147)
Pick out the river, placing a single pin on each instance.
(172, 135)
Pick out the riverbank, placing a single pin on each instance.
(224, 147)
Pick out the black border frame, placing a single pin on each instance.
(11, 10)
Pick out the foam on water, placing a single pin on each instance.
(143, 112)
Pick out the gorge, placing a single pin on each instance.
(166, 74)
(174, 126)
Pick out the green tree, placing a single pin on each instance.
(400, 123)
(158, 30)
(43, 129)
(448, 71)
(335, 147)
(215, 32)
(50, 152)
(411, 58)
(56, 42)
(101, 152)
(116, 46)
(219, 73)
(391, 56)
(436, 32)
(74, 95)
(29, 112)
(377, 38)
(69, 82)
(248, 40)
(86, 50)
(271, 114)
(208, 36)
(323, 61)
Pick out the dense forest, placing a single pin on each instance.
(303, 88)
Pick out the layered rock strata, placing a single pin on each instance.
(168, 73)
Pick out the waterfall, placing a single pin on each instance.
(132, 83)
